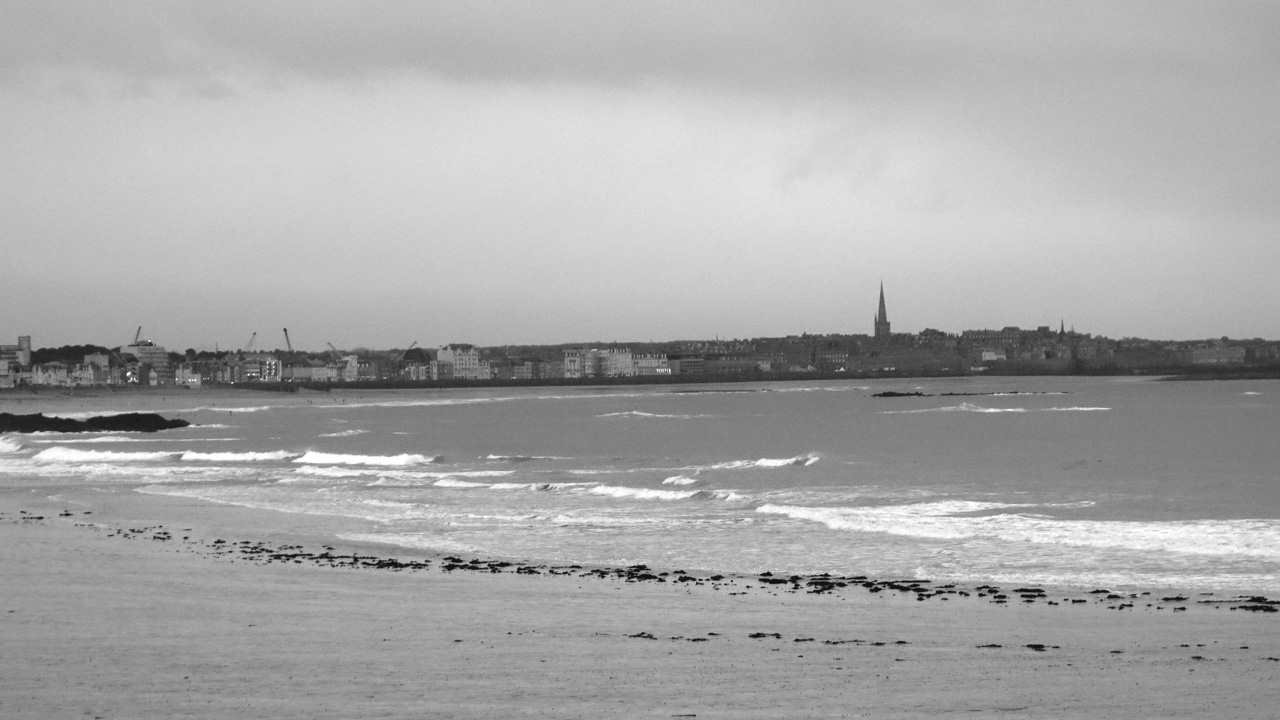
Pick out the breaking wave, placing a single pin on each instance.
(333, 472)
(237, 456)
(651, 494)
(68, 455)
(679, 480)
(638, 413)
(344, 433)
(948, 521)
(9, 445)
(319, 458)
(962, 407)
(455, 483)
(797, 461)
(969, 407)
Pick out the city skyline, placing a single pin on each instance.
(561, 172)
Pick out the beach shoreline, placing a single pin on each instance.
(102, 619)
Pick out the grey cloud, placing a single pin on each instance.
(830, 47)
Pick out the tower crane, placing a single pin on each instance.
(406, 351)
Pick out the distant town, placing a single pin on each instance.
(1043, 350)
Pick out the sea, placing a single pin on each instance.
(1118, 483)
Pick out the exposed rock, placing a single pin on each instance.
(127, 422)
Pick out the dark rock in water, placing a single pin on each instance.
(895, 394)
(127, 422)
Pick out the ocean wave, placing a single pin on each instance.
(679, 480)
(319, 458)
(520, 458)
(449, 482)
(419, 479)
(415, 541)
(642, 493)
(191, 455)
(969, 407)
(962, 407)
(333, 472)
(638, 413)
(72, 455)
(10, 445)
(616, 491)
(949, 521)
(230, 409)
(797, 461)
(344, 433)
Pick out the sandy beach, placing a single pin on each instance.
(119, 605)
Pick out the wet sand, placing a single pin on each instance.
(121, 605)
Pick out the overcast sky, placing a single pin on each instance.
(381, 173)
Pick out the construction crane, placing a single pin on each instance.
(406, 351)
(137, 335)
(336, 355)
(286, 341)
(252, 338)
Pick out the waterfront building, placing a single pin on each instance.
(153, 363)
(618, 362)
(19, 354)
(651, 364)
(464, 359)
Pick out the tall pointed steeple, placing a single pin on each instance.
(882, 319)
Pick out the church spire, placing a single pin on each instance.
(882, 318)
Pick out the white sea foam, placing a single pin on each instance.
(969, 407)
(333, 472)
(416, 541)
(679, 480)
(797, 461)
(962, 407)
(191, 455)
(652, 494)
(344, 433)
(946, 521)
(449, 482)
(513, 486)
(642, 493)
(638, 413)
(249, 409)
(286, 498)
(73, 455)
(319, 458)
(9, 445)
(521, 458)
(438, 479)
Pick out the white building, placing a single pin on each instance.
(465, 360)
(651, 364)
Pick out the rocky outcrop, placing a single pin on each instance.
(127, 422)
